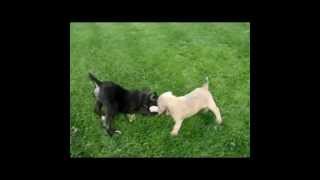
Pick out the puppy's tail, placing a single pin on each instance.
(94, 79)
(206, 84)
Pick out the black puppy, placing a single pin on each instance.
(112, 99)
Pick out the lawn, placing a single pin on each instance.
(163, 57)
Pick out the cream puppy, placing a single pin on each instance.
(183, 107)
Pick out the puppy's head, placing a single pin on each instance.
(148, 99)
(163, 101)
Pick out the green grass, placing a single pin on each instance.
(163, 57)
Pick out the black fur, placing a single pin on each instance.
(113, 99)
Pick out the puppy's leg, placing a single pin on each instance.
(109, 123)
(97, 108)
(213, 107)
(131, 117)
(109, 129)
(103, 121)
(176, 127)
(110, 113)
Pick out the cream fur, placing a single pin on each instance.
(183, 107)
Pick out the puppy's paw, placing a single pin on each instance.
(131, 117)
(174, 133)
(109, 133)
(112, 132)
(219, 121)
